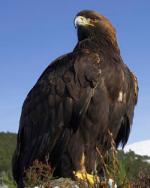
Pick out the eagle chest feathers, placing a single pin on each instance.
(76, 102)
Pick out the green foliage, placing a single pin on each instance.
(131, 164)
(127, 169)
(7, 180)
(7, 147)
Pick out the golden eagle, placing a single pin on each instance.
(77, 99)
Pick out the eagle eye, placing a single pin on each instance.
(88, 19)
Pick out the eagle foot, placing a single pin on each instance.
(89, 178)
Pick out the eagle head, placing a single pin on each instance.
(91, 24)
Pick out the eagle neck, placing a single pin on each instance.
(106, 43)
(98, 46)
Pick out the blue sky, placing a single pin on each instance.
(35, 32)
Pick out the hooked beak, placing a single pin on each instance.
(82, 21)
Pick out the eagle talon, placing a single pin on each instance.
(89, 178)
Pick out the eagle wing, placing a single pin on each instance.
(54, 108)
(125, 103)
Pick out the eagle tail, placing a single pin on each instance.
(123, 133)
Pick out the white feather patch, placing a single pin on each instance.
(120, 97)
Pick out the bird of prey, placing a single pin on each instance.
(78, 98)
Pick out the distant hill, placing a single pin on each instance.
(7, 147)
